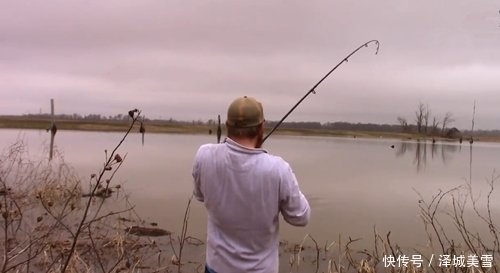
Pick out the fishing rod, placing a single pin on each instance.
(313, 91)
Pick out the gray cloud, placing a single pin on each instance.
(189, 59)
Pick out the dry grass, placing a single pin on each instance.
(468, 252)
(48, 225)
(51, 224)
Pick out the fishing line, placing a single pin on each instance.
(313, 91)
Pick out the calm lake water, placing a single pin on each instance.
(351, 184)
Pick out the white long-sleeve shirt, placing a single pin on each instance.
(244, 190)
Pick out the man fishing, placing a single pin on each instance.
(244, 190)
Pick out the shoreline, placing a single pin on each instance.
(168, 128)
(106, 236)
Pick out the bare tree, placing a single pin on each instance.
(427, 115)
(448, 118)
(435, 125)
(419, 116)
(402, 121)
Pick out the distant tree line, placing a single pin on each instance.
(424, 123)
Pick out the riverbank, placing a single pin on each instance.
(53, 201)
(172, 128)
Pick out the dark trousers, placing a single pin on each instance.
(209, 270)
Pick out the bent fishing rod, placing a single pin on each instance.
(313, 89)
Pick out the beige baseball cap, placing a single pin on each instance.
(245, 112)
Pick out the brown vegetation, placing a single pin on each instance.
(47, 226)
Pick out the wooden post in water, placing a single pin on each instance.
(52, 129)
(472, 129)
(219, 130)
(142, 130)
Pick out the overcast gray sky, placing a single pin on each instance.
(190, 59)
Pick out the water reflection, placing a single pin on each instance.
(421, 150)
